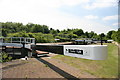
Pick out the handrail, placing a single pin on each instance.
(17, 40)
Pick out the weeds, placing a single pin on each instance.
(4, 57)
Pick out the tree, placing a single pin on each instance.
(71, 35)
(114, 36)
(4, 32)
(86, 34)
(118, 34)
(45, 29)
(19, 34)
(96, 37)
(91, 34)
(109, 34)
(37, 28)
(78, 32)
(42, 32)
(102, 36)
(58, 31)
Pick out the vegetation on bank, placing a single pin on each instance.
(43, 33)
(4, 57)
(99, 68)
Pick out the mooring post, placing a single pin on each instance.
(84, 42)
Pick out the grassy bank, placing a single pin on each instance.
(99, 68)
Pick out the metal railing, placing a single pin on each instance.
(17, 40)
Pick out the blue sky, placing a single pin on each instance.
(90, 15)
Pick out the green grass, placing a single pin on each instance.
(99, 68)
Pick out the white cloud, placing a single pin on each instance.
(116, 24)
(101, 4)
(22, 4)
(91, 17)
(46, 12)
(73, 2)
(114, 17)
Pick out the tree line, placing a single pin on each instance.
(42, 33)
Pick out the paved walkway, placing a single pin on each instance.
(59, 43)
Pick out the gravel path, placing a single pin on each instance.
(31, 69)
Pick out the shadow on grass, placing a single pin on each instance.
(58, 70)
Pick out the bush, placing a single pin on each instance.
(4, 57)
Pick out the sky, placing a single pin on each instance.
(99, 16)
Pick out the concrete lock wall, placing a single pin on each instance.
(93, 52)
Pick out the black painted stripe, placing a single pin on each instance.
(58, 70)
